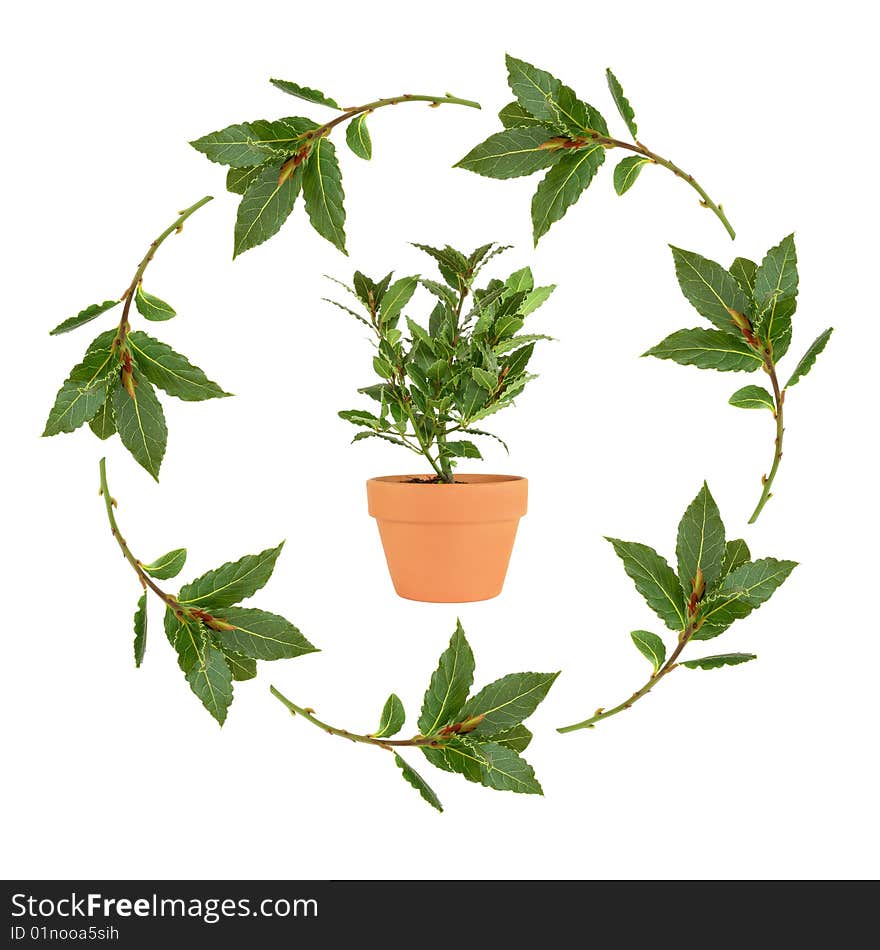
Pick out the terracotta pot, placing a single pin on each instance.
(448, 543)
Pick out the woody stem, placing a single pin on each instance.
(345, 734)
(143, 577)
(128, 296)
(779, 399)
(668, 667)
(640, 149)
(327, 127)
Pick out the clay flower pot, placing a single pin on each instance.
(448, 543)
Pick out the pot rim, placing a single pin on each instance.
(471, 480)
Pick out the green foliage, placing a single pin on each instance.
(265, 205)
(751, 308)
(84, 316)
(717, 583)
(140, 630)
(140, 421)
(548, 126)
(707, 349)
(112, 388)
(167, 566)
(357, 137)
(322, 190)
(440, 377)
(650, 646)
(752, 397)
(271, 161)
(480, 738)
(231, 582)
(417, 782)
(622, 103)
(716, 662)
(216, 641)
(805, 364)
(627, 171)
(450, 684)
(513, 153)
(303, 92)
(700, 547)
(654, 579)
(563, 185)
(151, 307)
(392, 719)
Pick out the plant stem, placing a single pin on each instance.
(779, 399)
(145, 579)
(131, 290)
(353, 736)
(447, 474)
(640, 149)
(668, 667)
(350, 113)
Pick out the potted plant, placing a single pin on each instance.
(447, 535)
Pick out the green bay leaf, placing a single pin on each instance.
(231, 582)
(507, 701)
(700, 546)
(304, 92)
(357, 136)
(805, 364)
(324, 197)
(513, 153)
(265, 206)
(84, 316)
(151, 307)
(752, 397)
(707, 349)
(563, 185)
(650, 646)
(627, 171)
(654, 579)
(417, 782)
(710, 289)
(140, 422)
(84, 391)
(623, 106)
(170, 370)
(392, 719)
(449, 686)
(140, 630)
(261, 635)
(719, 660)
(167, 566)
(211, 680)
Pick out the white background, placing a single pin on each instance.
(768, 770)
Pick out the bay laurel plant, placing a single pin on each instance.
(480, 737)
(440, 377)
(750, 307)
(272, 160)
(548, 127)
(716, 583)
(112, 388)
(216, 640)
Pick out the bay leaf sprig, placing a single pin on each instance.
(441, 377)
(750, 307)
(480, 737)
(272, 160)
(216, 640)
(548, 127)
(716, 583)
(113, 387)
